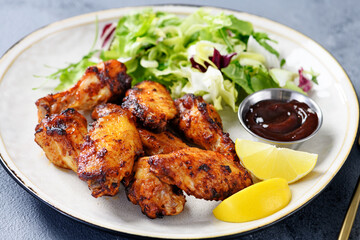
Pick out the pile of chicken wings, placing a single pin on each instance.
(156, 147)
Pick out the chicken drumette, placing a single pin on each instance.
(151, 103)
(157, 143)
(109, 151)
(202, 173)
(156, 198)
(101, 83)
(61, 137)
(201, 124)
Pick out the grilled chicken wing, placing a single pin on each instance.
(157, 143)
(61, 136)
(202, 173)
(151, 103)
(155, 198)
(101, 83)
(109, 151)
(202, 125)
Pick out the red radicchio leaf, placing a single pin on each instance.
(109, 34)
(304, 83)
(105, 28)
(220, 61)
(198, 66)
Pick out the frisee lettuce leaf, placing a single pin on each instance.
(262, 39)
(68, 75)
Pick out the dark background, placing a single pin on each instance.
(333, 24)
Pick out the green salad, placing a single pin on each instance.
(219, 57)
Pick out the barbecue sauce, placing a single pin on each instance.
(281, 120)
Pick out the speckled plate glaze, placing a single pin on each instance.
(68, 40)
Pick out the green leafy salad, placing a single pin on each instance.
(219, 57)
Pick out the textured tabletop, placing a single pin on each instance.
(333, 24)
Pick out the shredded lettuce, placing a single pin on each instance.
(219, 57)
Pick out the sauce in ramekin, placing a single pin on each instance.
(281, 120)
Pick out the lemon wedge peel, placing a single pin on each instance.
(255, 202)
(272, 162)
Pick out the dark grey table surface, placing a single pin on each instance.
(333, 24)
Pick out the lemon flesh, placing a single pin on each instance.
(266, 161)
(257, 201)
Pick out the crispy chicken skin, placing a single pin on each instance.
(202, 173)
(157, 143)
(202, 125)
(61, 136)
(105, 109)
(151, 103)
(109, 151)
(156, 198)
(101, 83)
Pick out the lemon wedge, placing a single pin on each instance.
(257, 201)
(266, 161)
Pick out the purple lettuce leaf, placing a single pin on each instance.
(105, 28)
(220, 61)
(107, 35)
(304, 82)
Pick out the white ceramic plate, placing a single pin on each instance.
(68, 40)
